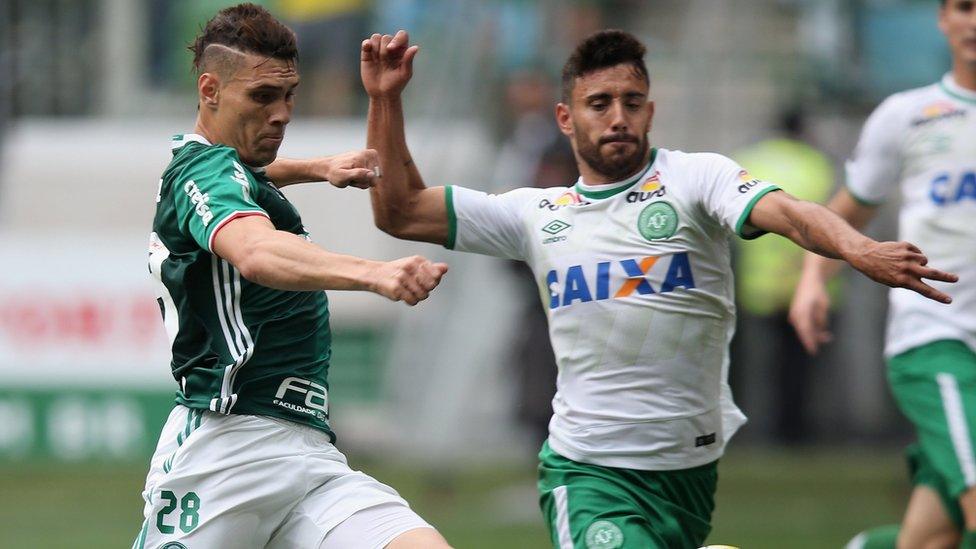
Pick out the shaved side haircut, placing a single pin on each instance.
(244, 28)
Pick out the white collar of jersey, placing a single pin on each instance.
(180, 140)
(606, 190)
(956, 91)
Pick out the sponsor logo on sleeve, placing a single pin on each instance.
(200, 201)
(748, 182)
(241, 179)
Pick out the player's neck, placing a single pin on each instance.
(964, 74)
(593, 177)
(202, 128)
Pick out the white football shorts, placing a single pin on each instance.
(243, 481)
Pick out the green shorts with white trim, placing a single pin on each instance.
(594, 507)
(935, 387)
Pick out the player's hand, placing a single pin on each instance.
(809, 313)
(409, 279)
(900, 265)
(351, 169)
(386, 63)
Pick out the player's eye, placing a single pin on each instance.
(263, 97)
(599, 106)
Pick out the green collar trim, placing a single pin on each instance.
(956, 93)
(617, 189)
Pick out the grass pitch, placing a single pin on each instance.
(767, 499)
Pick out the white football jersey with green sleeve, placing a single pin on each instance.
(923, 142)
(636, 279)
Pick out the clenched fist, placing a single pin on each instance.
(409, 279)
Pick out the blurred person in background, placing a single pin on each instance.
(633, 265)
(327, 31)
(246, 457)
(923, 143)
(766, 355)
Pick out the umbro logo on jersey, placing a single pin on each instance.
(199, 201)
(651, 188)
(553, 228)
(628, 277)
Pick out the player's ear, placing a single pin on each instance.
(650, 116)
(208, 88)
(563, 119)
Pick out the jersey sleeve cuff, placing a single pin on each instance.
(227, 219)
(451, 218)
(861, 200)
(741, 225)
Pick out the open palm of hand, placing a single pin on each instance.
(386, 63)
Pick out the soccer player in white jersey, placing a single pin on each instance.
(247, 457)
(632, 263)
(922, 144)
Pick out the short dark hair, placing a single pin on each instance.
(248, 28)
(601, 50)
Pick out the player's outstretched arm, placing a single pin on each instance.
(285, 261)
(402, 205)
(819, 230)
(348, 169)
(810, 308)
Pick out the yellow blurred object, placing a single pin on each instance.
(306, 10)
(769, 267)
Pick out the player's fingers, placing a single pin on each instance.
(375, 41)
(935, 274)
(362, 178)
(409, 55)
(928, 291)
(384, 46)
(367, 50)
(913, 247)
(399, 40)
(369, 158)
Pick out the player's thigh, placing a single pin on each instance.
(935, 387)
(926, 524)
(229, 482)
(344, 504)
(587, 506)
(389, 525)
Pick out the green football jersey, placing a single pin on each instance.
(238, 347)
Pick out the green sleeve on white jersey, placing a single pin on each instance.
(488, 224)
(211, 191)
(875, 168)
(730, 193)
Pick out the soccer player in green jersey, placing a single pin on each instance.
(633, 268)
(921, 143)
(246, 458)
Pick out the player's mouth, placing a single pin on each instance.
(273, 139)
(618, 139)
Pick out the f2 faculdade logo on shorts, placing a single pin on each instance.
(604, 534)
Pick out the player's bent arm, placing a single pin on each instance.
(402, 205)
(353, 168)
(285, 261)
(819, 230)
